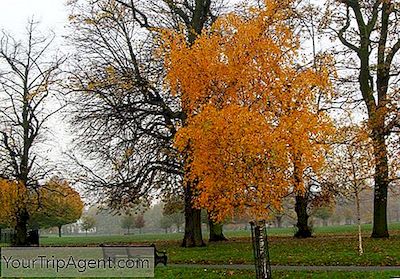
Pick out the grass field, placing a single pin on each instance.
(208, 274)
(330, 246)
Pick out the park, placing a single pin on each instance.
(332, 253)
(205, 138)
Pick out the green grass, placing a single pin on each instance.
(172, 273)
(334, 274)
(91, 239)
(333, 250)
(318, 231)
(330, 246)
(204, 273)
(219, 273)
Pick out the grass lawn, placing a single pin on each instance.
(200, 273)
(329, 246)
(216, 273)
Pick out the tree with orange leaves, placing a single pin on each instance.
(11, 195)
(57, 204)
(252, 129)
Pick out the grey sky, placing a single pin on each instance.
(14, 15)
(52, 15)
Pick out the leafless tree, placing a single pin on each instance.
(368, 31)
(28, 79)
(123, 117)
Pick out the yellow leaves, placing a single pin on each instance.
(12, 195)
(72, 17)
(110, 70)
(91, 86)
(89, 21)
(42, 88)
(109, 79)
(59, 204)
(129, 152)
(231, 158)
(56, 199)
(351, 164)
(251, 111)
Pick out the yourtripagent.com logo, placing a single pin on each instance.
(122, 261)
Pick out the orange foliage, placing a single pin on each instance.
(12, 196)
(250, 110)
(57, 204)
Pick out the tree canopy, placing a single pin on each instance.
(253, 125)
(57, 204)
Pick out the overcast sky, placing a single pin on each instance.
(52, 15)
(14, 15)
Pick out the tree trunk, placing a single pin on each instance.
(59, 231)
(279, 221)
(360, 246)
(216, 233)
(193, 236)
(380, 228)
(303, 230)
(260, 250)
(21, 230)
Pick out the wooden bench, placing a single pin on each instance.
(125, 252)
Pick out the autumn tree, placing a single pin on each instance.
(350, 168)
(139, 222)
(323, 213)
(166, 222)
(251, 111)
(174, 210)
(127, 222)
(125, 120)
(28, 81)
(368, 31)
(11, 195)
(178, 219)
(88, 223)
(57, 204)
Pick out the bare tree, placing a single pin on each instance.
(28, 77)
(369, 32)
(124, 118)
(350, 169)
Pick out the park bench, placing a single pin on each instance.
(114, 252)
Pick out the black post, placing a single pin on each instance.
(260, 249)
(33, 237)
